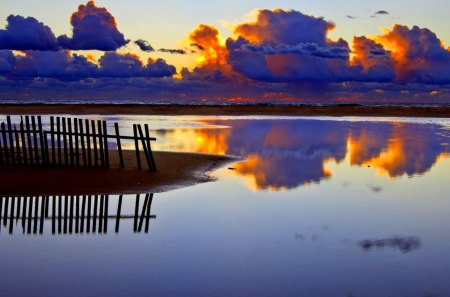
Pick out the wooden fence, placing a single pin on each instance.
(70, 214)
(70, 142)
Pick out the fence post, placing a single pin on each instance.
(66, 151)
(94, 140)
(100, 140)
(1, 153)
(16, 135)
(144, 146)
(44, 150)
(11, 140)
(77, 148)
(52, 136)
(136, 145)
(149, 146)
(88, 142)
(35, 140)
(24, 142)
(105, 138)
(5, 143)
(30, 144)
(58, 136)
(119, 145)
(69, 133)
(83, 148)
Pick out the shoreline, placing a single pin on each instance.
(231, 110)
(175, 171)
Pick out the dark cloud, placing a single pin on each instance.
(59, 65)
(381, 12)
(350, 17)
(62, 65)
(94, 28)
(27, 34)
(303, 49)
(197, 46)
(7, 61)
(144, 45)
(173, 51)
(126, 66)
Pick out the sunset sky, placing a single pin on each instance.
(226, 50)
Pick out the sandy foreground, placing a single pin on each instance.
(341, 110)
(175, 170)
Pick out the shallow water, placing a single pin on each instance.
(320, 207)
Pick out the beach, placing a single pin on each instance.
(238, 110)
(175, 170)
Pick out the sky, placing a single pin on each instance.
(242, 52)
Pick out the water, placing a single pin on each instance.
(320, 207)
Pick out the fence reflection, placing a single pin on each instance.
(71, 214)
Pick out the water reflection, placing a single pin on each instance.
(404, 244)
(72, 214)
(284, 154)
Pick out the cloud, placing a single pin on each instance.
(7, 61)
(213, 62)
(286, 45)
(381, 12)
(66, 66)
(418, 55)
(27, 34)
(144, 45)
(128, 65)
(94, 28)
(376, 61)
(173, 51)
(197, 46)
(59, 65)
(304, 49)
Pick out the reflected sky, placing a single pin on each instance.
(288, 153)
(342, 229)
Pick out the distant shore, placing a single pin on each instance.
(238, 110)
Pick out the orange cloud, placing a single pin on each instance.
(417, 53)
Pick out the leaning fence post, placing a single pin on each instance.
(16, 135)
(94, 140)
(35, 140)
(105, 139)
(5, 143)
(77, 149)
(11, 140)
(24, 142)
(88, 142)
(136, 145)
(30, 144)
(100, 141)
(149, 147)
(66, 151)
(69, 133)
(1, 154)
(83, 148)
(52, 135)
(119, 145)
(58, 136)
(144, 146)
(43, 142)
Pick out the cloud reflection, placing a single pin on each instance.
(285, 154)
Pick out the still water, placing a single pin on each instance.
(319, 207)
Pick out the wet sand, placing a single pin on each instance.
(339, 110)
(175, 170)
